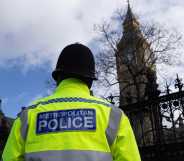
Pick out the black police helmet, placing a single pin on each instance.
(77, 60)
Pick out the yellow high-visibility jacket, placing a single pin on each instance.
(71, 125)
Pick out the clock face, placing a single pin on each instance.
(129, 54)
(130, 57)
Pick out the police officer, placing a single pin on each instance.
(72, 125)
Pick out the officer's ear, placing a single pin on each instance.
(58, 80)
(57, 83)
(61, 76)
(87, 81)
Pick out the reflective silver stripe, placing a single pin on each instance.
(70, 99)
(24, 123)
(68, 155)
(113, 126)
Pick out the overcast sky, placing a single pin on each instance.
(33, 32)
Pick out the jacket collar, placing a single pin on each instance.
(74, 84)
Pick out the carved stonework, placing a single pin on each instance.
(5, 126)
(136, 74)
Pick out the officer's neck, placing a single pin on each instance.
(73, 83)
(85, 81)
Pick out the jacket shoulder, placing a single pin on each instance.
(101, 101)
(31, 106)
(107, 103)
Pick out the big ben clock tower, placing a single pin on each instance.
(134, 64)
(136, 74)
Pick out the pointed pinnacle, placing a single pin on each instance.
(128, 2)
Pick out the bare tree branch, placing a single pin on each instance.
(157, 46)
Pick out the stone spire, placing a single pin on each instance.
(133, 50)
(131, 29)
(130, 22)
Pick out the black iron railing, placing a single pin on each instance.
(158, 126)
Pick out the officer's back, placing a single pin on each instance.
(72, 125)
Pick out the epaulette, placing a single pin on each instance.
(28, 107)
(22, 109)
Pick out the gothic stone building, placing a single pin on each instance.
(5, 126)
(139, 97)
(136, 71)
